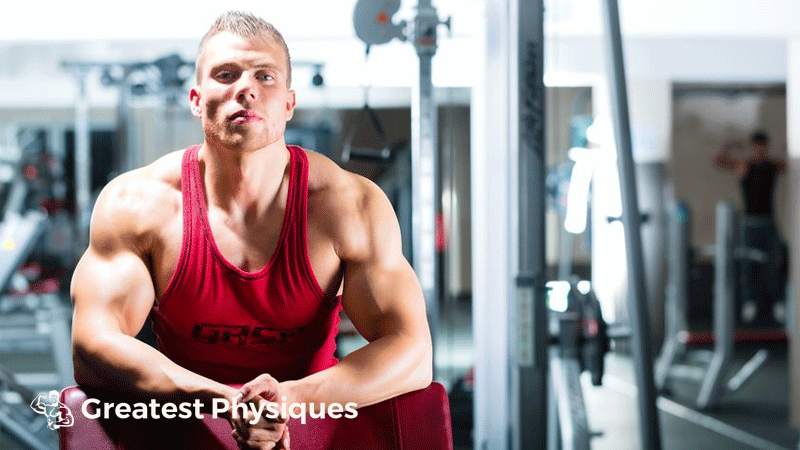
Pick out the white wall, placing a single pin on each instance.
(687, 40)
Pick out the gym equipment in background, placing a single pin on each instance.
(714, 365)
(581, 341)
(32, 318)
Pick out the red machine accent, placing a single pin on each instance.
(416, 420)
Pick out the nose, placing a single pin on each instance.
(244, 89)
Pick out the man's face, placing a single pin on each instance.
(53, 397)
(759, 148)
(242, 98)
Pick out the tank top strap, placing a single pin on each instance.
(297, 235)
(189, 183)
(298, 195)
(193, 197)
(191, 222)
(296, 202)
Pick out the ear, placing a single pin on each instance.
(194, 102)
(291, 102)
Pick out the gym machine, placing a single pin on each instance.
(32, 316)
(581, 340)
(637, 297)
(373, 25)
(30, 308)
(650, 431)
(676, 304)
(18, 420)
(516, 270)
(716, 364)
(164, 76)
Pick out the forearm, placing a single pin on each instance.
(723, 159)
(384, 368)
(124, 364)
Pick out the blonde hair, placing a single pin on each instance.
(246, 25)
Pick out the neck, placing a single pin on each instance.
(243, 181)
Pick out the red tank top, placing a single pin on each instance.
(230, 325)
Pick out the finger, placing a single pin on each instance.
(258, 394)
(261, 379)
(244, 392)
(259, 445)
(267, 388)
(269, 432)
(274, 434)
(236, 425)
(285, 440)
(240, 422)
(251, 443)
(259, 417)
(234, 412)
(244, 426)
(240, 434)
(280, 418)
(239, 441)
(263, 391)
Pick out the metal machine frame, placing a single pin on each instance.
(373, 23)
(712, 377)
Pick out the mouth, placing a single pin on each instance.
(244, 116)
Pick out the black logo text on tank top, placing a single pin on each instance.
(242, 335)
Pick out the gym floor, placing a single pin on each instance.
(754, 418)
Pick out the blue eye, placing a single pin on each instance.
(225, 75)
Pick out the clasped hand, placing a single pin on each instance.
(258, 430)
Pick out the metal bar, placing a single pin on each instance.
(573, 424)
(125, 127)
(681, 265)
(493, 205)
(46, 380)
(748, 370)
(637, 295)
(675, 307)
(553, 427)
(566, 243)
(15, 201)
(424, 164)
(532, 378)
(83, 163)
(724, 305)
(693, 373)
(9, 380)
(60, 337)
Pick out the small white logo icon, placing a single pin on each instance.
(57, 413)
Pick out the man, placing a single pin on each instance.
(237, 248)
(757, 176)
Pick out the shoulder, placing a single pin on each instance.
(348, 207)
(777, 162)
(342, 191)
(136, 204)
